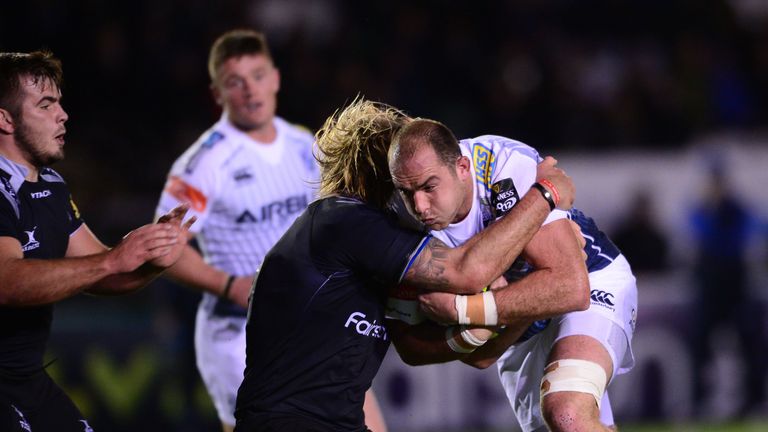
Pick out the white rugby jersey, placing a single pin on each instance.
(245, 194)
(504, 170)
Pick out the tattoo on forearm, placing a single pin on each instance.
(430, 265)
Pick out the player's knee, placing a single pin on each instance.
(563, 414)
(564, 378)
(574, 375)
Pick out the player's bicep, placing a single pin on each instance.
(10, 248)
(554, 246)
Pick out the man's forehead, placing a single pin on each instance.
(415, 173)
(419, 159)
(40, 85)
(245, 62)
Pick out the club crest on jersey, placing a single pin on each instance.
(484, 162)
(242, 175)
(504, 196)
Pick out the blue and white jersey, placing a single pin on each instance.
(245, 194)
(504, 170)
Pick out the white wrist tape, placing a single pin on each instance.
(461, 309)
(454, 342)
(477, 309)
(576, 376)
(491, 314)
(471, 339)
(461, 340)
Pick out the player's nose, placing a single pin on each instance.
(420, 204)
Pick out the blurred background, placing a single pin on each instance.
(657, 109)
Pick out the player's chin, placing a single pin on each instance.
(52, 157)
(436, 226)
(251, 122)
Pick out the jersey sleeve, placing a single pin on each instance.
(8, 219)
(75, 221)
(370, 242)
(196, 179)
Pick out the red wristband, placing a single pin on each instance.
(553, 189)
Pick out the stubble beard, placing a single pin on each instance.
(29, 145)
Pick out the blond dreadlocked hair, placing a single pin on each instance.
(352, 147)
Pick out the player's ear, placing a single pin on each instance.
(7, 125)
(216, 93)
(463, 165)
(277, 79)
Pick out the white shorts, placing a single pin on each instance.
(220, 350)
(610, 320)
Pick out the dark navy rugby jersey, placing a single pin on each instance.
(600, 250)
(41, 216)
(315, 331)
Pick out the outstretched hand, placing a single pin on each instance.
(170, 253)
(144, 244)
(563, 185)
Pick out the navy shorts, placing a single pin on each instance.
(37, 404)
(282, 424)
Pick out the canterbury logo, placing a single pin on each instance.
(602, 297)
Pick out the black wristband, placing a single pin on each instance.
(227, 287)
(546, 194)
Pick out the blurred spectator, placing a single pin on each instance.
(640, 239)
(723, 227)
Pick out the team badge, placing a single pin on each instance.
(504, 196)
(243, 175)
